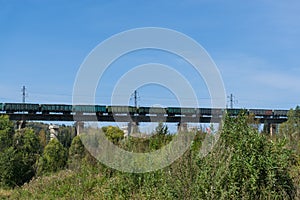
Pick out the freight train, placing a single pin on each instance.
(11, 108)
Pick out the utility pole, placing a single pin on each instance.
(232, 100)
(133, 126)
(24, 94)
(135, 98)
(22, 123)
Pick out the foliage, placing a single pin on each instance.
(76, 153)
(161, 129)
(65, 135)
(17, 162)
(114, 134)
(290, 131)
(42, 138)
(53, 159)
(38, 128)
(6, 132)
(245, 165)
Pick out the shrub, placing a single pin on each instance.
(53, 159)
(245, 165)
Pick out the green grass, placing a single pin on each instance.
(65, 184)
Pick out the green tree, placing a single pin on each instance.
(245, 165)
(6, 132)
(27, 145)
(161, 129)
(160, 138)
(76, 153)
(65, 135)
(17, 162)
(43, 138)
(290, 130)
(113, 133)
(54, 158)
(10, 166)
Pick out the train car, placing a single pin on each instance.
(172, 111)
(188, 111)
(152, 110)
(121, 109)
(217, 112)
(280, 113)
(205, 111)
(21, 107)
(233, 111)
(1, 107)
(100, 109)
(56, 108)
(261, 112)
(84, 108)
(89, 109)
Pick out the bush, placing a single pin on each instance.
(245, 165)
(17, 162)
(6, 132)
(113, 133)
(76, 153)
(54, 158)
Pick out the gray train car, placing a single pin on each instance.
(152, 110)
(261, 112)
(280, 113)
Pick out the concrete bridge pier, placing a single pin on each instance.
(182, 127)
(79, 127)
(271, 128)
(21, 124)
(133, 127)
(53, 131)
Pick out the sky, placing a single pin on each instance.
(254, 44)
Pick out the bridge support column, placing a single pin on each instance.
(182, 127)
(21, 124)
(79, 127)
(133, 127)
(273, 129)
(53, 131)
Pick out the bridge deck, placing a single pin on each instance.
(128, 118)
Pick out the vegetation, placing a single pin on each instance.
(290, 132)
(54, 158)
(244, 164)
(19, 152)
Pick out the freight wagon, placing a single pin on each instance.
(151, 110)
(121, 109)
(280, 113)
(233, 111)
(21, 107)
(56, 108)
(261, 112)
(172, 111)
(89, 109)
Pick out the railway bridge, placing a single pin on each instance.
(87, 113)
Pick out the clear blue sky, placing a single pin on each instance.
(255, 44)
